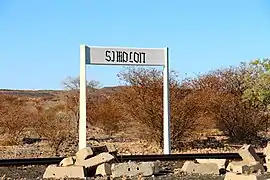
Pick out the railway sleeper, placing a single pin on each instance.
(200, 168)
(53, 171)
(131, 169)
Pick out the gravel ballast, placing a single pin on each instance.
(36, 172)
(22, 172)
(169, 171)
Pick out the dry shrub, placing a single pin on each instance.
(72, 103)
(54, 124)
(186, 118)
(105, 113)
(102, 110)
(226, 80)
(143, 102)
(239, 120)
(14, 118)
(72, 97)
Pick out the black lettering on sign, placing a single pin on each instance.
(136, 57)
(142, 56)
(119, 56)
(108, 57)
(124, 57)
(113, 59)
(131, 57)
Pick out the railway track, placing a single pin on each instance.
(125, 158)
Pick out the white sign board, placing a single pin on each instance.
(126, 56)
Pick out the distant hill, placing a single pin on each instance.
(52, 93)
(30, 93)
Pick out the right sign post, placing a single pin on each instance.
(166, 104)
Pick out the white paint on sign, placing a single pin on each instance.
(126, 56)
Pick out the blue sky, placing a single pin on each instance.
(39, 40)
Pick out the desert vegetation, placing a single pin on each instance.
(234, 100)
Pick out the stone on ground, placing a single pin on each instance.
(96, 160)
(220, 162)
(64, 172)
(267, 159)
(104, 169)
(99, 149)
(130, 169)
(248, 154)
(84, 154)
(267, 164)
(245, 168)
(235, 176)
(111, 148)
(266, 150)
(69, 161)
(204, 168)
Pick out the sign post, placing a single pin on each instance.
(166, 105)
(124, 56)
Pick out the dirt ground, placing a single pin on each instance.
(125, 142)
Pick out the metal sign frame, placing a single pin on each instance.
(85, 59)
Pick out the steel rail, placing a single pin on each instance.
(125, 158)
(176, 157)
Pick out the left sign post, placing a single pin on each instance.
(82, 120)
(129, 57)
